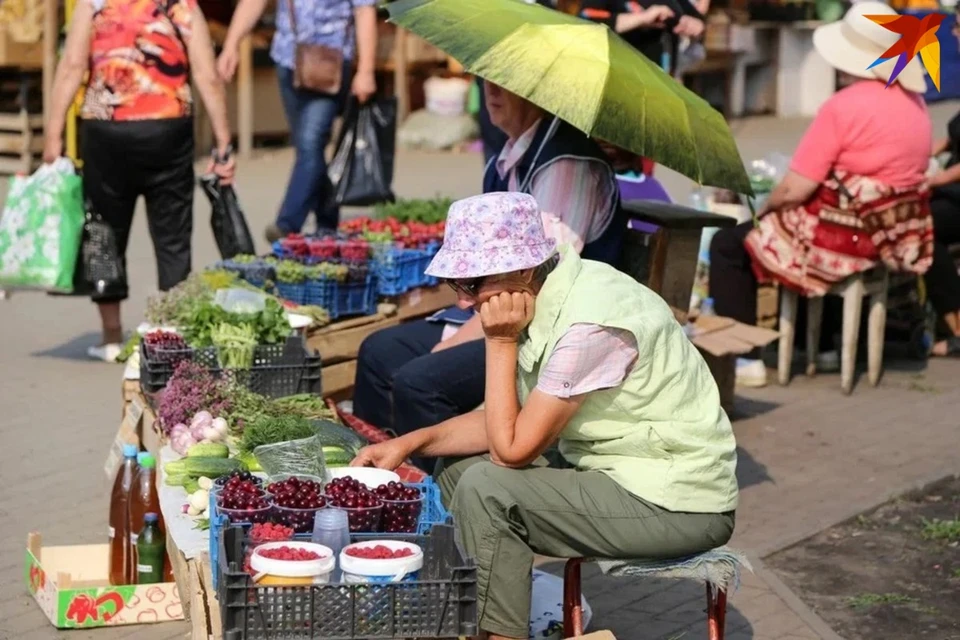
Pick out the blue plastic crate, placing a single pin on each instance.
(322, 293)
(400, 270)
(356, 298)
(296, 293)
(431, 514)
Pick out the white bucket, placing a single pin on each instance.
(446, 96)
(315, 571)
(364, 570)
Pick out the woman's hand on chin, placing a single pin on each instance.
(506, 315)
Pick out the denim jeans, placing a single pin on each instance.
(310, 116)
(401, 386)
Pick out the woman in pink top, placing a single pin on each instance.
(854, 194)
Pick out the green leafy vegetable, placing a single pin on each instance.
(272, 429)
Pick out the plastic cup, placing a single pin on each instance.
(246, 515)
(364, 519)
(401, 516)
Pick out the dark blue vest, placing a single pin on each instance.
(566, 141)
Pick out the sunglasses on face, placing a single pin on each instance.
(469, 288)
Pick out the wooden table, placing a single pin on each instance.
(339, 343)
(663, 244)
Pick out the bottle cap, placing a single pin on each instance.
(140, 456)
(150, 517)
(130, 451)
(147, 461)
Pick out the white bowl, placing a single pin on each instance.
(369, 476)
(361, 570)
(299, 321)
(322, 566)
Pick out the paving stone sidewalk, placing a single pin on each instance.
(809, 455)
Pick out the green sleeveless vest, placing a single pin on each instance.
(662, 434)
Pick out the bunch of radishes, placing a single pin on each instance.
(203, 428)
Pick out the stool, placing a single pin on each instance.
(718, 568)
(873, 283)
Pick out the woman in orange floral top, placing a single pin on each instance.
(137, 133)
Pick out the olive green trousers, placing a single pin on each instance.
(505, 516)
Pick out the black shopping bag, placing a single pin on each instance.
(229, 225)
(362, 169)
(100, 270)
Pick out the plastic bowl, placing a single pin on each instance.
(247, 515)
(300, 520)
(363, 519)
(363, 570)
(294, 571)
(369, 476)
(222, 480)
(216, 491)
(401, 516)
(280, 477)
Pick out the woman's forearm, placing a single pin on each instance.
(627, 22)
(66, 84)
(947, 176)
(245, 18)
(208, 81)
(365, 19)
(501, 404)
(463, 435)
(940, 146)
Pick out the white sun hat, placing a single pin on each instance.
(853, 44)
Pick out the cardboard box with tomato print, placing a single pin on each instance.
(71, 586)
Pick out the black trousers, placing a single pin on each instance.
(401, 386)
(154, 159)
(942, 280)
(733, 287)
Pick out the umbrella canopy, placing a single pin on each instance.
(585, 74)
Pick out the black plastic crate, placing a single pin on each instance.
(278, 370)
(442, 603)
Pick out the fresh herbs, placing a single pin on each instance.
(306, 404)
(272, 429)
(235, 345)
(427, 211)
(269, 326)
(191, 389)
(129, 348)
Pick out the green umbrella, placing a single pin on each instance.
(585, 74)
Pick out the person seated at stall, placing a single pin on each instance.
(942, 280)
(580, 353)
(853, 195)
(418, 374)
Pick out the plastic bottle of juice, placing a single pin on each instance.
(121, 551)
(151, 550)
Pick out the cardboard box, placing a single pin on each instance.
(72, 587)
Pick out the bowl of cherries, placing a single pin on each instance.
(362, 505)
(401, 507)
(296, 500)
(242, 499)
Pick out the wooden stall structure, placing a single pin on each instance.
(22, 27)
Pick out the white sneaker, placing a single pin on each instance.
(105, 352)
(751, 373)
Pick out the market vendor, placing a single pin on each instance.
(581, 353)
(421, 373)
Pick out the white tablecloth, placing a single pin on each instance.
(191, 542)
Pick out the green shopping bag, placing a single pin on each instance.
(41, 229)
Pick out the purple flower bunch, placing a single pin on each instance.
(191, 389)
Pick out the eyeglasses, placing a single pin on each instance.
(469, 288)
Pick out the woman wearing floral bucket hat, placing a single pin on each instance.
(583, 355)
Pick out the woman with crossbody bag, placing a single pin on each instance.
(314, 52)
(137, 130)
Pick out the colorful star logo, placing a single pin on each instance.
(918, 35)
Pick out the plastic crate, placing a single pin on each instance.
(441, 603)
(432, 514)
(296, 293)
(278, 369)
(399, 270)
(256, 273)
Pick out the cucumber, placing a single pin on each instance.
(176, 480)
(191, 486)
(337, 456)
(250, 460)
(208, 450)
(211, 467)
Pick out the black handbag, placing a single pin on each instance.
(362, 169)
(100, 269)
(229, 225)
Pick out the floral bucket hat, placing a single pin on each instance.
(492, 234)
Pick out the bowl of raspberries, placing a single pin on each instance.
(381, 561)
(292, 562)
